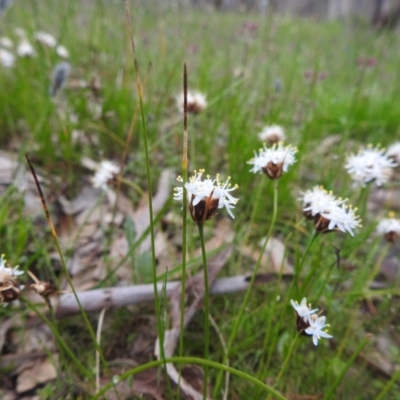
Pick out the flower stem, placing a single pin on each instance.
(249, 289)
(300, 263)
(285, 363)
(184, 216)
(206, 308)
(160, 326)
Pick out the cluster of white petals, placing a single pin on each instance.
(6, 42)
(368, 165)
(393, 152)
(106, 171)
(46, 38)
(387, 225)
(338, 215)
(199, 189)
(272, 134)
(313, 324)
(278, 154)
(25, 49)
(303, 309)
(7, 59)
(196, 102)
(62, 51)
(7, 272)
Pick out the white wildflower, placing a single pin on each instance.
(207, 195)
(273, 161)
(393, 152)
(342, 218)
(46, 38)
(62, 52)
(328, 212)
(272, 134)
(7, 271)
(6, 42)
(10, 290)
(317, 200)
(25, 49)
(106, 171)
(317, 324)
(390, 228)
(368, 165)
(303, 310)
(196, 102)
(7, 59)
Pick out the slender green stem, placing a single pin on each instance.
(254, 209)
(184, 217)
(335, 384)
(383, 393)
(206, 307)
(160, 330)
(192, 360)
(249, 289)
(285, 363)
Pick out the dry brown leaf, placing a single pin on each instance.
(7, 395)
(39, 373)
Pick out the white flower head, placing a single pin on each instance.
(10, 290)
(316, 328)
(25, 49)
(196, 102)
(303, 309)
(368, 165)
(106, 171)
(7, 59)
(207, 195)
(273, 161)
(62, 52)
(393, 152)
(389, 228)
(6, 42)
(342, 218)
(272, 134)
(317, 200)
(46, 39)
(328, 212)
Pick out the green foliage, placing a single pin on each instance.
(283, 73)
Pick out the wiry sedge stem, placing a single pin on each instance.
(160, 330)
(192, 360)
(250, 287)
(335, 384)
(206, 308)
(285, 363)
(64, 266)
(300, 263)
(184, 216)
